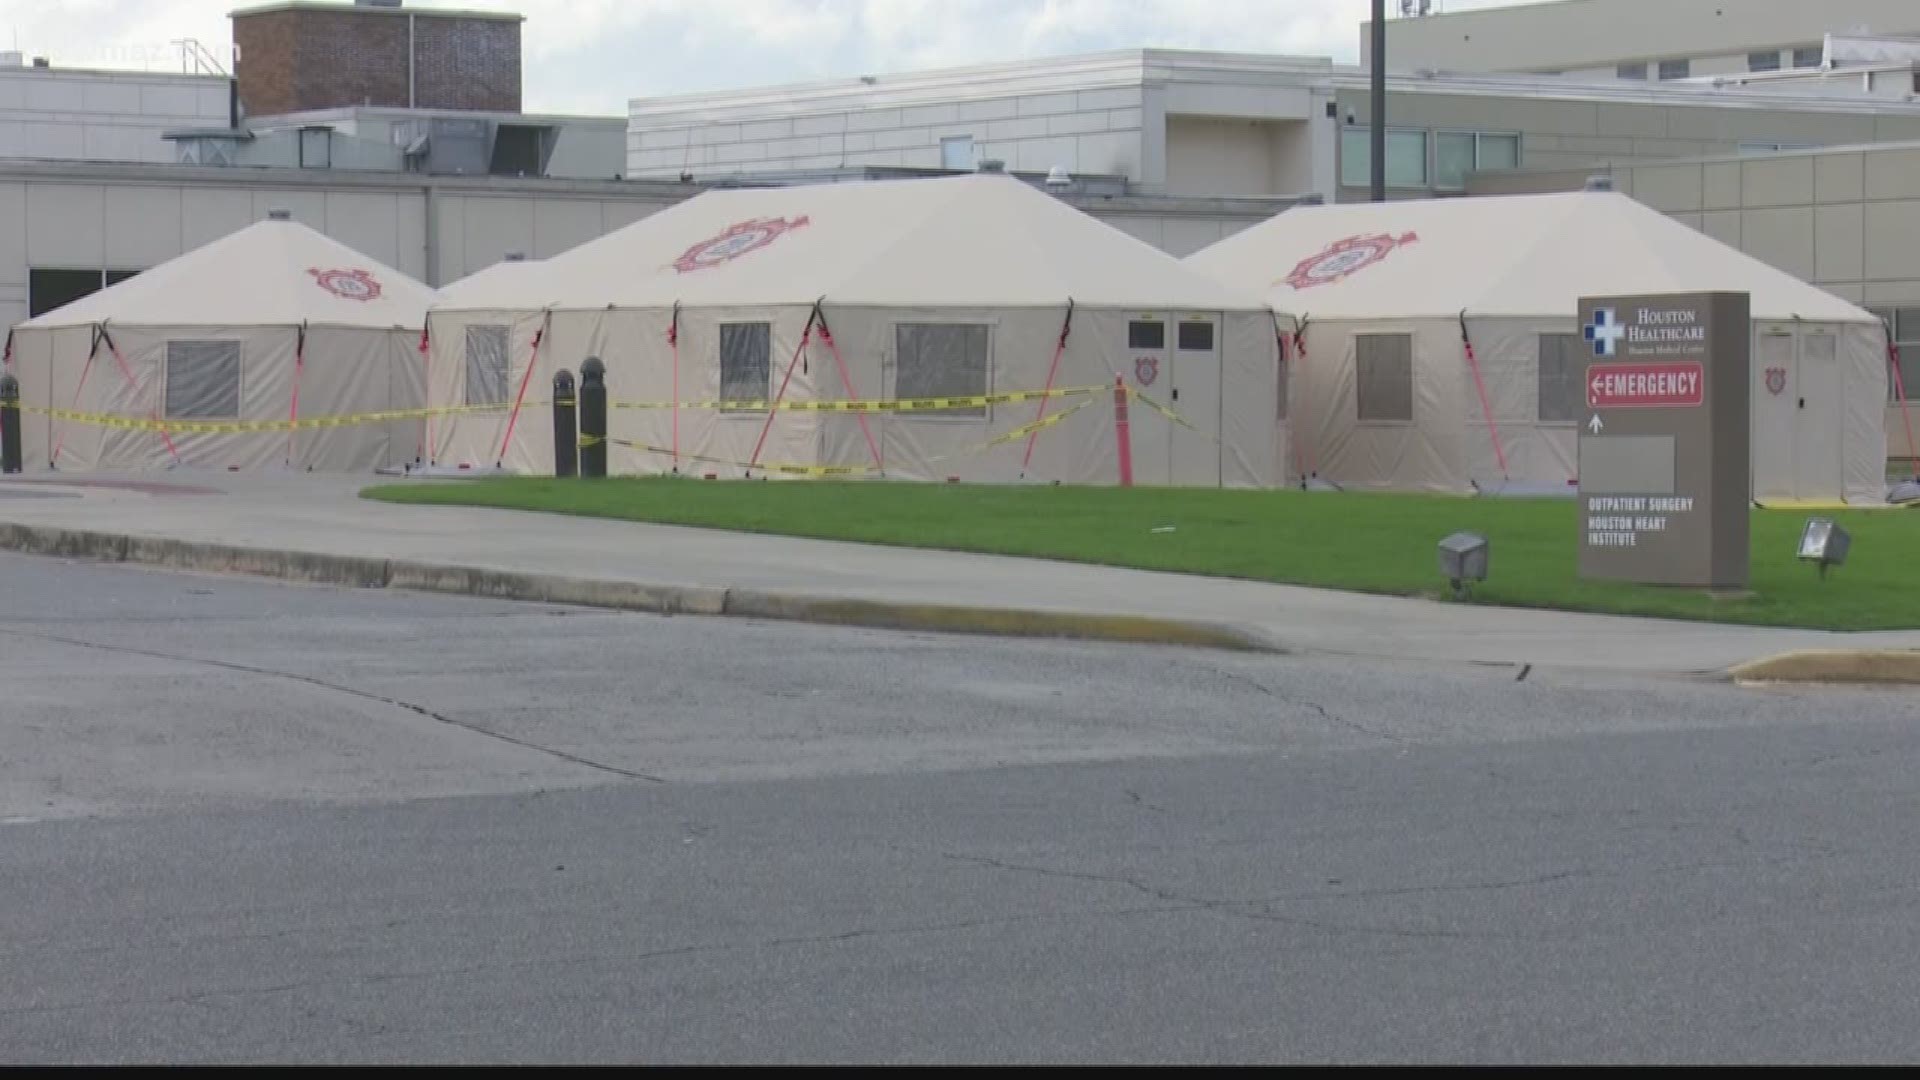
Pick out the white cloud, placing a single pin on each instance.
(592, 55)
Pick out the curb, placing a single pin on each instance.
(362, 572)
(1890, 667)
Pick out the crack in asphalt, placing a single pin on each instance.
(1135, 799)
(1321, 710)
(363, 695)
(858, 933)
(1234, 908)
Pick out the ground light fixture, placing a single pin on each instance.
(1824, 543)
(1463, 560)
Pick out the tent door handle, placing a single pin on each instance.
(1803, 403)
(1176, 393)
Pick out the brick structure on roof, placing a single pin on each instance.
(296, 57)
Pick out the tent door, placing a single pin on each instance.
(1149, 370)
(1193, 392)
(1776, 396)
(1817, 417)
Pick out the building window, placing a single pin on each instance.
(1630, 71)
(1748, 149)
(1146, 334)
(487, 365)
(1456, 154)
(746, 362)
(1810, 57)
(1196, 336)
(1904, 323)
(942, 360)
(316, 148)
(1406, 158)
(203, 380)
(1675, 69)
(50, 289)
(1383, 370)
(1764, 61)
(1562, 375)
(956, 152)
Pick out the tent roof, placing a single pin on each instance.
(271, 273)
(1517, 255)
(985, 241)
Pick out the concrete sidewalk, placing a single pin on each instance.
(710, 572)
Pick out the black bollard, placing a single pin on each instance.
(9, 424)
(593, 418)
(566, 439)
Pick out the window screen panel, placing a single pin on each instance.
(1384, 370)
(1497, 152)
(203, 380)
(746, 362)
(1196, 336)
(1146, 334)
(486, 365)
(1280, 390)
(942, 360)
(1561, 374)
(1452, 158)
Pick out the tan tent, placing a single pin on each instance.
(1384, 393)
(956, 287)
(273, 322)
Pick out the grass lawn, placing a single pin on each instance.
(1367, 543)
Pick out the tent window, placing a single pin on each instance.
(746, 362)
(942, 360)
(1384, 369)
(1196, 336)
(203, 380)
(1562, 372)
(1146, 334)
(486, 365)
(1280, 389)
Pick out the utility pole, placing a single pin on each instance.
(1377, 133)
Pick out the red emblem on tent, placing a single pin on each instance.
(347, 284)
(739, 239)
(1343, 258)
(1776, 380)
(1146, 369)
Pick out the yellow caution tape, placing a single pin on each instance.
(940, 404)
(232, 427)
(765, 466)
(786, 469)
(1025, 430)
(311, 423)
(1162, 409)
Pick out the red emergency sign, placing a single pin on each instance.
(1645, 386)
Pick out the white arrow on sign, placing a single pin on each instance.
(1594, 425)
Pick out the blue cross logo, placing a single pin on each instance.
(1604, 331)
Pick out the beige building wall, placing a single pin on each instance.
(1571, 133)
(1595, 35)
(110, 217)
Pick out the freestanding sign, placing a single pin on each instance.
(1664, 449)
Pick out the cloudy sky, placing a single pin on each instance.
(590, 56)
